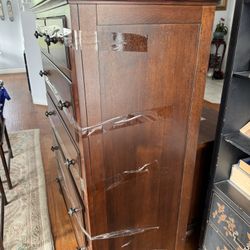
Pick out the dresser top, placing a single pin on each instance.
(183, 2)
(179, 2)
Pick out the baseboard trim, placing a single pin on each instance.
(12, 71)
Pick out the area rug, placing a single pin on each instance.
(27, 225)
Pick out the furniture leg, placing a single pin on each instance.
(5, 166)
(3, 192)
(8, 143)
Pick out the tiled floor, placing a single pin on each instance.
(213, 90)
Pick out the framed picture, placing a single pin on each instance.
(10, 10)
(222, 5)
(1, 11)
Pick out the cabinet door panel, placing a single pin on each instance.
(146, 81)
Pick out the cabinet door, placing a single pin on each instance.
(140, 82)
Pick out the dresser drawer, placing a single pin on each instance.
(74, 207)
(69, 151)
(60, 90)
(213, 240)
(56, 36)
(39, 34)
(230, 224)
(58, 52)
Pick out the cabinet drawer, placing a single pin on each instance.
(55, 37)
(73, 205)
(230, 224)
(58, 52)
(213, 241)
(40, 25)
(60, 90)
(69, 151)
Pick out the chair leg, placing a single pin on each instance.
(5, 166)
(8, 142)
(1, 244)
(3, 193)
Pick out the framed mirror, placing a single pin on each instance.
(10, 10)
(222, 5)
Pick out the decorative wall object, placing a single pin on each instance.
(10, 10)
(222, 5)
(1, 11)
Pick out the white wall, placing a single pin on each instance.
(33, 56)
(11, 48)
(228, 15)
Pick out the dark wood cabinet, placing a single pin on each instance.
(228, 207)
(137, 76)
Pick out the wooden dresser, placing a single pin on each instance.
(125, 83)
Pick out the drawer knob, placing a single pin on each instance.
(50, 40)
(237, 241)
(70, 163)
(49, 113)
(62, 105)
(72, 211)
(37, 34)
(54, 148)
(58, 180)
(43, 73)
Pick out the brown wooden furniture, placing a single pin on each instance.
(201, 174)
(125, 83)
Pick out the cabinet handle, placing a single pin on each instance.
(43, 73)
(72, 211)
(62, 105)
(50, 40)
(49, 113)
(37, 34)
(54, 148)
(237, 241)
(70, 163)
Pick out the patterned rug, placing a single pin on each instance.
(27, 225)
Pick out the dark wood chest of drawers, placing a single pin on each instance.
(125, 83)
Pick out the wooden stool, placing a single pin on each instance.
(6, 165)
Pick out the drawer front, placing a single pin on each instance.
(230, 224)
(213, 241)
(71, 203)
(39, 34)
(36, 2)
(60, 90)
(58, 49)
(56, 36)
(70, 153)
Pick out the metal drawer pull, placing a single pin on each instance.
(54, 148)
(48, 113)
(237, 241)
(72, 211)
(37, 34)
(62, 105)
(43, 73)
(50, 40)
(70, 163)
